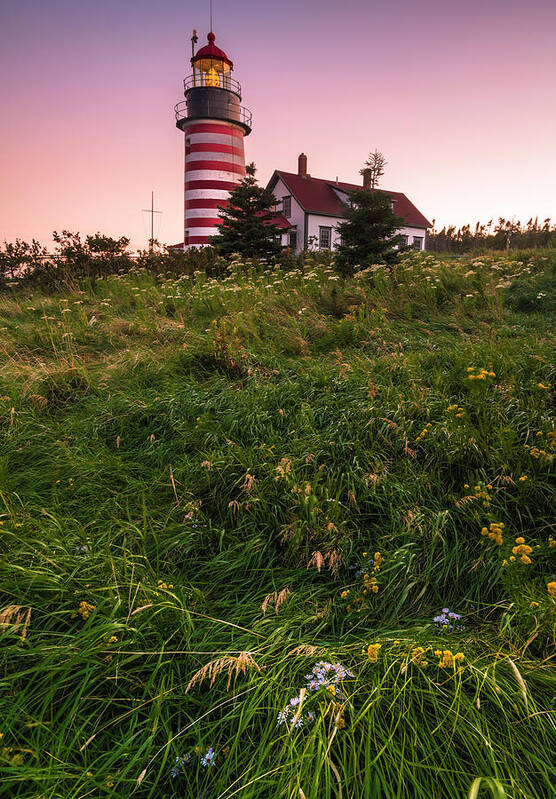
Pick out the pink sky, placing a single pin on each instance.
(460, 97)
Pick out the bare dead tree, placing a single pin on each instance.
(373, 169)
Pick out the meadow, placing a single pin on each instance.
(281, 534)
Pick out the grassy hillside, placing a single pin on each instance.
(210, 488)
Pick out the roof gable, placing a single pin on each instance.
(319, 196)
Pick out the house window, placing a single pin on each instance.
(405, 241)
(417, 242)
(325, 238)
(293, 238)
(287, 206)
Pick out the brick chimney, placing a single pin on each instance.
(302, 166)
(367, 178)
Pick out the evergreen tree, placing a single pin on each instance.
(368, 235)
(247, 223)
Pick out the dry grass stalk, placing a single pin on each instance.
(141, 609)
(520, 680)
(287, 532)
(320, 614)
(277, 599)
(38, 401)
(317, 560)
(305, 650)
(334, 558)
(388, 422)
(283, 468)
(15, 616)
(249, 483)
(233, 665)
(234, 505)
(297, 716)
(412, 453)
(352, 500)
(413, 518)
(460, 503)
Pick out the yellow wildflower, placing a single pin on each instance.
(378, 560)
(417, 657)
(522, 549)
(372, 652)
(85, 609)
(494, 532)
(551, 588)
(449, 660)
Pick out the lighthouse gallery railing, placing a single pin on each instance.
(245, 115)
(216, 80)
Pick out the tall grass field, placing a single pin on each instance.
(281, 534)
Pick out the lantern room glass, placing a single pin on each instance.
(212, 72)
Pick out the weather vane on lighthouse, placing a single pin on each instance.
(214, 123)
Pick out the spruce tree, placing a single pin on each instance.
(368, 235)
(247, 222)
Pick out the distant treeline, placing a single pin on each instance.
(77, 261)
(502, 235)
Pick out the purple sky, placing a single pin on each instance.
(461, 98)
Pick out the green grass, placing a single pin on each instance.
(176, 451)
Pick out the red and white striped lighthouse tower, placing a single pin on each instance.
(214, 123)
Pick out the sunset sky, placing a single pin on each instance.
(460, 97)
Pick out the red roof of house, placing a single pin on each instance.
(280, 221)
(318, 196)
(211, 51)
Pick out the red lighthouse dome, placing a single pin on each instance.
(211, 56)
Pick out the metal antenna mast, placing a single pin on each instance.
(152, 212)
(210, 7)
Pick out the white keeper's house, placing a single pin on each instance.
(314, 207)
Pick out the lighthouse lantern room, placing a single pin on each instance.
(214, 123)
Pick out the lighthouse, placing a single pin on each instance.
(214, 123)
